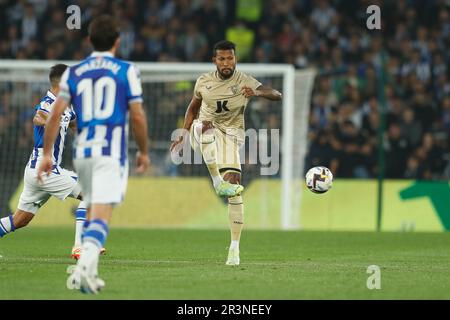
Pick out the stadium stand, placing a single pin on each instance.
(327, 35)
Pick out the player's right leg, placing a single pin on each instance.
(103, 181)
(203, 136)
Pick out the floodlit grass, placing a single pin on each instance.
(190, 264)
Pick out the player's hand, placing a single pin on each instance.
(177, 145)
(44, 168)
(142, 162)
(249, 92)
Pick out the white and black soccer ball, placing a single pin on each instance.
(319, 179)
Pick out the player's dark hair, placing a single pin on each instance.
(103, 32)
(56, 72)
(224, 45)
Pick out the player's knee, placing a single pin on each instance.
(236, 209)
(207, 126)
(232, 177)
(235, 200)
(206, 132)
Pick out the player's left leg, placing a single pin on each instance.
(80, 222)
(236, 218)
(11, 223)
(7, 225)
(203, 136)
(30, 200)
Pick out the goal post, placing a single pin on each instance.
(167, 88)
(296, 120)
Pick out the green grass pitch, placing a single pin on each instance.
(189, 264)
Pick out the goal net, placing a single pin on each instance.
(272, 157)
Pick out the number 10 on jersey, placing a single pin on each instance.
(97, 98)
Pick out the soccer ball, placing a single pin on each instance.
(319, 179)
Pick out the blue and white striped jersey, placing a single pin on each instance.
(100, 89)
(46, 105)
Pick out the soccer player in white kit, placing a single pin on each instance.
(105, 92)
(61, 183)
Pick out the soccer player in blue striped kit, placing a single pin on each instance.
(62, 183)
(105, 92)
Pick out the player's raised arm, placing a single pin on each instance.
(262, 91)
(51, 130)
(191, 114)
(139, 127)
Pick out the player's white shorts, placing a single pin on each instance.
(228, 158)
(61, 184)
(102, 179)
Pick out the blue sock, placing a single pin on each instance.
(80, 214)
(6, 225)
(96, 233)
(85, 226)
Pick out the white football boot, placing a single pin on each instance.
(80, 279)
(84, 275)
(233, 257)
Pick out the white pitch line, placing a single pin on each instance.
(300, 264)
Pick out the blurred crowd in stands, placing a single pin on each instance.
(396, 77)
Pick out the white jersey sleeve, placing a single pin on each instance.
(134, 92)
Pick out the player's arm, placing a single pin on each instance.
(51, 130)
(262, 91)
(191, 114)
(138, 121)
(138, 118)
(40, 118)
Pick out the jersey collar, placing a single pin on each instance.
(102, 54)
(51, 95)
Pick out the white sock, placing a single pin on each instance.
(234, 245)
(80, 216)
(78, 232)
